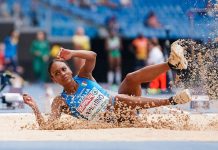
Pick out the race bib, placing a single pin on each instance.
(92, 104)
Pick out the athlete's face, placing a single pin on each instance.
(61, 73)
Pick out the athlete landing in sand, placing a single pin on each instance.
(84, 98)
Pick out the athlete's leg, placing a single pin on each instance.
(125, 106)
(143, 102)
(131, 85)
(138, 101)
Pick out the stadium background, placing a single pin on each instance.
(60, 18)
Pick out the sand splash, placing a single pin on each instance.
(158, 118)
(201, 75)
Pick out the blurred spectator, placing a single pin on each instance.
(2, 57)
(40, 50)
(207, 10)
(112, 24)
(11, 42)
(155, 53)
(103, 32)
(80, 42)
(216, 40)
(17, 15)
(216, 7)
(125, 3)
(85, 4)
(140, 45)
(152, 21)
(4, 11)
(156, 57)
(72, 1)
(33, 18)
(113, 46)
(209, 4)
(108, 3)
(88, 4)
(33, 14)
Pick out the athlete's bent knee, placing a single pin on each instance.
(129, 77)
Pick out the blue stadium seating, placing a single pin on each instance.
(173, 15)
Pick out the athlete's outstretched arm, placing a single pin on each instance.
(55, 111)
(89, 56)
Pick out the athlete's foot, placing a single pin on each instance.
(181, 97)
(177, 59)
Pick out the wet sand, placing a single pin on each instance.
(14, 127)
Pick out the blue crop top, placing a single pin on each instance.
(89, 99)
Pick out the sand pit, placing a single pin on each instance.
(16, 127)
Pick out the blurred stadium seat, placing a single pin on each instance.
(173, 15)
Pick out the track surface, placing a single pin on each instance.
(160, 145)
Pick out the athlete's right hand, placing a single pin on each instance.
(29, 100)
(64, 54)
